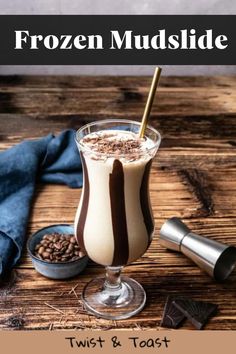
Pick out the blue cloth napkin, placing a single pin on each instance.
(50, 160)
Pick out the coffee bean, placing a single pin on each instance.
(46, 255)
(75, 258)
(70, 247)
(56, 237)
(56, 254)
(57, 245)
(41, 250)
(58, 248)
(73, 240)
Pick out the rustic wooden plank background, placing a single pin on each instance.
(193, 177)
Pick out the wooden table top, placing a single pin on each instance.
(193, 177)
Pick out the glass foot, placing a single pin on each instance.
(114, 303)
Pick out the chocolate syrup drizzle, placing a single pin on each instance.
(144, 200)
(118, 214)
(84, 207)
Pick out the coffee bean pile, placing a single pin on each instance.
(58, 248)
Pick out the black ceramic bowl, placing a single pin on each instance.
(62, 270)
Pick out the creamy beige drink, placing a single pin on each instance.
(114, 223)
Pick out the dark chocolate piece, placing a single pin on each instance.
(172, 317)
(198, 312)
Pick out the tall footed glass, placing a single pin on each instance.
(114, 223)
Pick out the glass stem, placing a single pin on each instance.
(113, 280)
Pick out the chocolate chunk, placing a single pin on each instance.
(198, 312)
(172, 317)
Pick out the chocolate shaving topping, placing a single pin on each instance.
(109, 144)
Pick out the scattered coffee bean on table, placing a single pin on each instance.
(58, 248)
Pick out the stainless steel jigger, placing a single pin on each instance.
(215, 258)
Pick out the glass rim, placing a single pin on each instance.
(155, 146)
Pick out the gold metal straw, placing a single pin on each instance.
(149, 103)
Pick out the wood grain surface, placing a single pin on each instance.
(193, 177)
